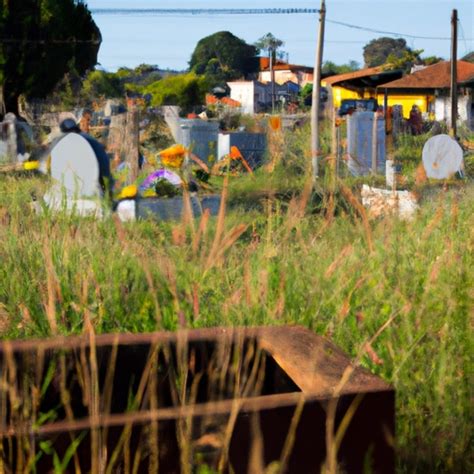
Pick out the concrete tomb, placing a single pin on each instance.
(231, 397)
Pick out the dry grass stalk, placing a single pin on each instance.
(52, 285)
(357, 205)
(202, 231)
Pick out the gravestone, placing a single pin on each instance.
(75, 171)
(361, 132)
(201, 137)
(253, 146)
(9, 140)
(442, 157)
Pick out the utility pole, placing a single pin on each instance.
(315, 145)
(272, 77)
(454, 73)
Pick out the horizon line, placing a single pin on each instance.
(203, 11)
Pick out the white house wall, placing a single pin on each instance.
(243, 92)
(443, 108)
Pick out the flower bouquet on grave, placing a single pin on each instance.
(168, 181)
(234, 163)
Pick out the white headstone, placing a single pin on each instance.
(442, 157)
(75, 166)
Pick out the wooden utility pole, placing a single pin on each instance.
(315, 145)
(454, 73)
(272, 78)
(132, 143)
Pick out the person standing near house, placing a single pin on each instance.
(415, 121)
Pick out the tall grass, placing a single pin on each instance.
(58, 274)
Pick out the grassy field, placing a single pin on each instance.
(337, 276)
(340, 274)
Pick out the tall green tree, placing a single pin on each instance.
(223, 57)
(270, 44)
(378, 50)
(41, 41)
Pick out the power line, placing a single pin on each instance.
(466, 49)
(391, 33)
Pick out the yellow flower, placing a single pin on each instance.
(129, 192)
(173, 157)
(31, 165)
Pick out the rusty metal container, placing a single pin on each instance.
(236, 400)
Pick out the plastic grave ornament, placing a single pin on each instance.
(75, 170)
(442, 157)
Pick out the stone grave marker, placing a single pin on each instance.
(75, 171)
(442, 157)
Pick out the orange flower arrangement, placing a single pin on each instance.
(275, 122)
(173, 157)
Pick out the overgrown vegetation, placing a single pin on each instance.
(340, 276)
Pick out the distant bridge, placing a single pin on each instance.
(202, 11)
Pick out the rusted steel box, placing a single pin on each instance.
(236, 400)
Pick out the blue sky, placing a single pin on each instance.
(169, 41)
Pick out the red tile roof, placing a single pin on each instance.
(282, 66)
(437, 76)
(372, 71)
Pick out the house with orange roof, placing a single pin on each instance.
(429, 88)
(285, 72)
(360, 84)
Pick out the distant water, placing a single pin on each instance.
(167, 37)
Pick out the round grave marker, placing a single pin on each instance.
(442, 157)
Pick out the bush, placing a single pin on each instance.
(185, 90)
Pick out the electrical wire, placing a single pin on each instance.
(243, 12)
(463, 36)
(391, 33)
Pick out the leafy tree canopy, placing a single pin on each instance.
(405, 61)
(331, 69)
(185, 90)
(99, 84)
(378, 50)
(42, 40)
(269, 43)
(223, 57)
(430, 60)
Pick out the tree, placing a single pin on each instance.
(331, 69)
(42, 40)
(405, 61)
(185, 90)
(378, 50)
(223, 57)
(270, 44)
(103, 84)
(430, 60)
